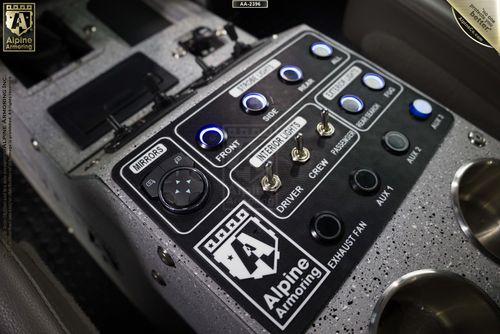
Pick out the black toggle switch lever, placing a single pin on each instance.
(240, 48)
(119, 129)
(159, 99)
(208, 71)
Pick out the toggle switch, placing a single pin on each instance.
(270, 182)
(325, 128)
(299, 152)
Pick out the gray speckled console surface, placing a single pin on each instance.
(422, 234)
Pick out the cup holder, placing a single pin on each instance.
(476, 203)
(434, 302)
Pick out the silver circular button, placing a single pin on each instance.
(352, 104)
(291, 74)
(254, 103)
(373, 81)
(321, 50)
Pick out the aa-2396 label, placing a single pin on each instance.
(267, 267)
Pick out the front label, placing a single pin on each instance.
(269, 269)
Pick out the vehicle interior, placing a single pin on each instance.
(217, 166)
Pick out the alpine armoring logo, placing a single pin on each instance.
(244, 254)
(268, 268)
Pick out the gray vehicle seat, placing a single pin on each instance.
(420, 41)
(31, 298)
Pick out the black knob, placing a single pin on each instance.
(395, 142)
(364, 181)
(184, 190)
(326, 227)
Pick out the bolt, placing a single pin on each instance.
(477, 138)
(89, 30)
(91, 164)
(157, 277)
(165, 257)
(35, 144)
(179, 52)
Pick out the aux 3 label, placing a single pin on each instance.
(268, 268)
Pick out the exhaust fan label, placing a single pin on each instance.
(268, 268)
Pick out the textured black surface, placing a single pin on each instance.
(132, 20)
(119, 92)
(99, 298)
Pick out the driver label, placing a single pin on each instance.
(267, 267)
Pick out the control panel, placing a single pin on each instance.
(279, 182)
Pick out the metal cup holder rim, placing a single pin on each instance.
(409, 278)
(455, 197)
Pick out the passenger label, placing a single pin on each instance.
(268, 268)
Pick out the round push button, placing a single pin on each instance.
(321, 50)
(211, 136)
(395, 142)
(254, 103)
(351, 104)
(421, 109)
(373, 81)
(326, 227)
(364, 181)
(184, 189)
(291, 74)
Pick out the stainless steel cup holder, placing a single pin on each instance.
(476, 202)
(434, 302)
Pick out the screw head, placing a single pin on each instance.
(35, 144)
(165, 257)
(157, 277)
(89, 29)
(477, 138)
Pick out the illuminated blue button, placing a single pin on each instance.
(211, 136)
(351, 104)
(321, 50)
(254, 103)
(421, 109)
(373, 81)
(291, 74)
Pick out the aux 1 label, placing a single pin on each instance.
(268, 268)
